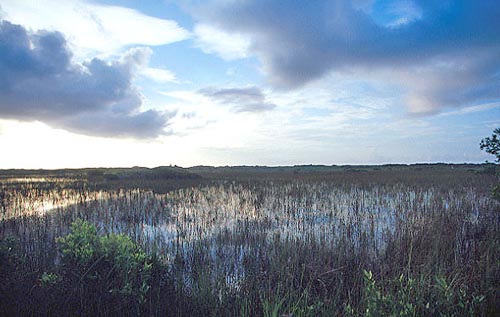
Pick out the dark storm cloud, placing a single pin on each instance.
(300, 41)
(249, 99)
(38, 81)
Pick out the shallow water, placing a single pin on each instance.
(215, 228)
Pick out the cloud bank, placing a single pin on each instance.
(443, 53)
(39, 82)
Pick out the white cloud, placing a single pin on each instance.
(205, 123)
(323, 115)
(159, 75)
(93, 29)
(214, 41)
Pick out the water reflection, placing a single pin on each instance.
(219, 227)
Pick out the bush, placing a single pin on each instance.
(109, 268)
(411, 297)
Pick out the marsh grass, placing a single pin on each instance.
(371, 244)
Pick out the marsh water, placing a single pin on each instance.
(225, 225)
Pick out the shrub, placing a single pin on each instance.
(411, 297)
(112, 266)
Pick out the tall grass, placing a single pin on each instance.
(274, 247)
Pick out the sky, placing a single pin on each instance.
(125, 83)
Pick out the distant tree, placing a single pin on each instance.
(492, 146)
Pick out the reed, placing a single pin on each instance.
(363, 245)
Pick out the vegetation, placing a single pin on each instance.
(492, 146)
(419, 240)
(109, 268)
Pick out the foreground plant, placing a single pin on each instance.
(406, 296)
(112, 266)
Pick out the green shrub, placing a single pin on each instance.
(112, 266)
(410, 297)
(380, 303)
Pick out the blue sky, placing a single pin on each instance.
(233, 82)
